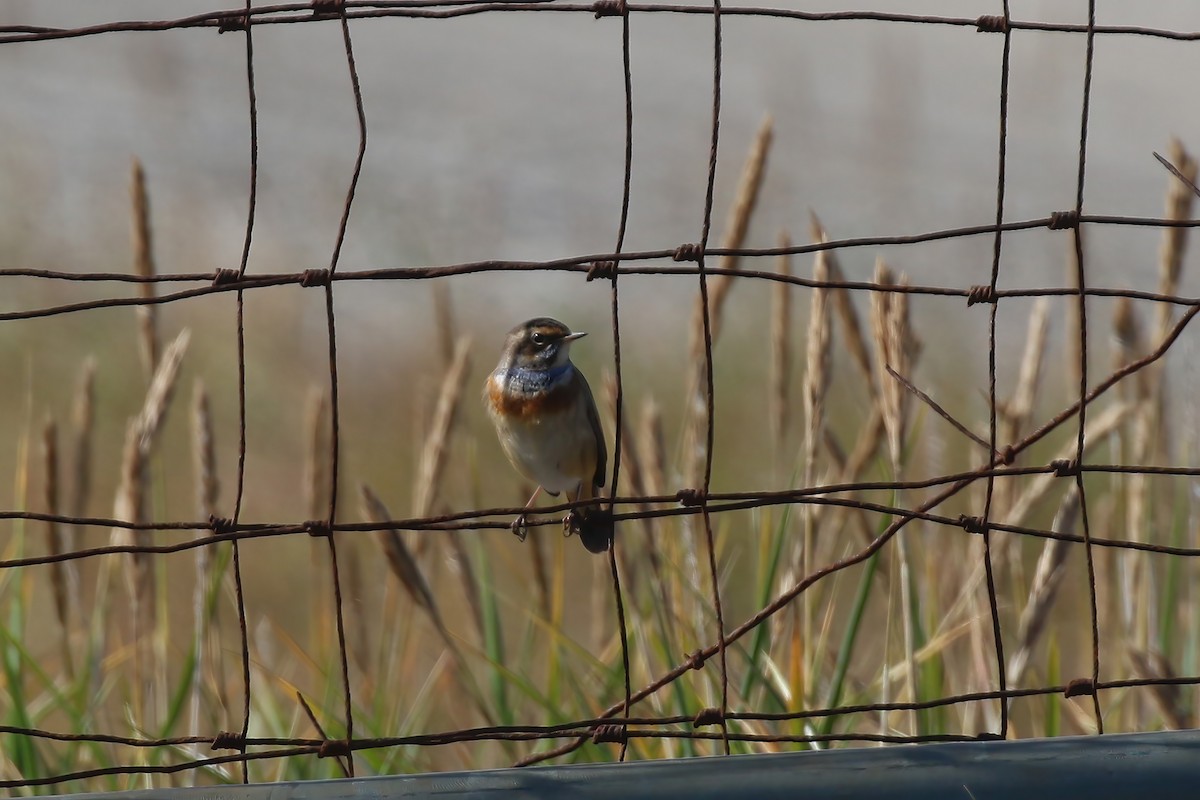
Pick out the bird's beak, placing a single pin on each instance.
(570, 337)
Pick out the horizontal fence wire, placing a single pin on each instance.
(698, 504)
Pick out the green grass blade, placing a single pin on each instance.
(493, 634)
(853, 626)
(768, 572)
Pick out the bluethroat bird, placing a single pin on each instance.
(547, 422)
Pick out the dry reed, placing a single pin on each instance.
(541, 576)
(1180, 200)
(816, 385)
(1153, 429)
(61, 580)
(402, 563)
(781, 346)
(1043, 591)
(1099, 427)
(83, 419)
(130, 506)
(1127, 332)
(630, 553)
(1167, 697)
(816, 374)
(143, 428)
(896, 348)
(316, 456)
(143, 266)
(1132, 570)
(437, 442)
(652, 456)
(1020, 406)
(1015, 414)
(694, 440)
(206, 628)
(315, 488)
(1074, 330)
(158, 396)
(204, 454)
(843, 305)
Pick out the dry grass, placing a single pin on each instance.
(451, 629)
(781, 345)
(143, 266)
(695, 412)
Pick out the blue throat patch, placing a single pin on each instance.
(534, 381)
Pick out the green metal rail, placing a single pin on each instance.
(1161, 766)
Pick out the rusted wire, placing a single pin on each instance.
(240, 484)
(1081, 282)
(334, 406)
(289, 13)
(616, 724)
(610, 268)
(710, 409)
(989, 570)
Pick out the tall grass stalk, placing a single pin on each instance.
(144, 267)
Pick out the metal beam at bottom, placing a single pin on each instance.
(1162, 766)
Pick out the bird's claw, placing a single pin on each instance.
(570, 524)
(520, 528)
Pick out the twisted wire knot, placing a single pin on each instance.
(224, 276)
(609, 8)
(1062, 220)
(687, 252)
(220, 525)
(690, 497)
(318, 528)
(695, 660)
(237, 22)
(322, 9)
(609, 733)
(981, 294)
(314, 277)
(991, 23)
(604, 270)
(333, 748)
(972, 524)
(1065, 467)
(1080, 687)
(228, 740)
(708, 716)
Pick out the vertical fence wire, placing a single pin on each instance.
(997, 241)
(710, 411)
(617, 722)
(619, 410)
(1081, 282)
(252, 205)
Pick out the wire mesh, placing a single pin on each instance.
(617, 723)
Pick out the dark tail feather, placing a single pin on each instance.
(595, 528)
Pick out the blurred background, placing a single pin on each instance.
(501, 136)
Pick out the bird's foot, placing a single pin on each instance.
(570, 524)
(520, 528)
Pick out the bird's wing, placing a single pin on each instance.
(593, 417)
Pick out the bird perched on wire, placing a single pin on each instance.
(548, 425)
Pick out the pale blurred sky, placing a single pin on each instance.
(501, 136)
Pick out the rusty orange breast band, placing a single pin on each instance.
(526, 405)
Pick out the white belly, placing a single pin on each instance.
(558, 451)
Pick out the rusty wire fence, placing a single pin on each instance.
(619, 722)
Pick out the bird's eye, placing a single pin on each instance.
(538, 338)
